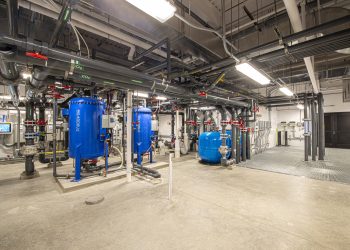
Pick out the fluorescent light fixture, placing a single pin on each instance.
(8, 98)
(286, 91)
(161, 98)
(161, 10)
(141, 94)
(252, 73)
(300, 106)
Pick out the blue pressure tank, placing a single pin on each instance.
(142, 125)
(209, 143)
(86, 136)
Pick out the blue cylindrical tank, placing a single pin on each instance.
(209, 143)
(86, 136)
(142, 120)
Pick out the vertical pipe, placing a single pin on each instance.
(244, 138)
(306, 136)
(123, 131)
(170, 188)
(233, 135)
(310, 127)
(248, 140)
(29, 138)
(128, 135)
(321, 130)
(314, 134)
(177, 139)
(238, 142)
(54, 105)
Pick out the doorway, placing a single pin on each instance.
(337, 130)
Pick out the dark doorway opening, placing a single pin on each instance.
(337, 129)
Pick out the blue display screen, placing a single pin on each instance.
(5, 128)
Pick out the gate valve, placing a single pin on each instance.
(225, 122)
(41, 122)
(209, 122)
(235, 122)
(250, 130)
(191, 122)
(36, 55)
(256, 108)
(202, 93)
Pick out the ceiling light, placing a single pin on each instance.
(252, 73)
(300, 106)
(140, 94)
(161, 10)
(286, 91)
(161, 98)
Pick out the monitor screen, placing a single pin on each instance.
(5, 128)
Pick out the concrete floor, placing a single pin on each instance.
(212, 208)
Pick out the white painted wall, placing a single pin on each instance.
(291, 114)
(165, 125)
(334, 103)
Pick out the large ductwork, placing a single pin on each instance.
(8, 70)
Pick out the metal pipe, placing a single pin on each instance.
(306, 135)
(62, 20)
(29, 148)
(244, 138)
(314, 131)
(129, 135)
(54, 141)
(88, 68)
(321, 129)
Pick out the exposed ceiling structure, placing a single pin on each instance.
(184, 62)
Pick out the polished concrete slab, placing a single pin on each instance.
(212, 208)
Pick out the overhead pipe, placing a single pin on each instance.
(8, 70)
(62, 20)
(116, 72)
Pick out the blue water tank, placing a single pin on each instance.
(142, 120)
(209, 143)
(86, 136)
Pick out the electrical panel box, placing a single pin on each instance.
(5, 128)
(108, 121)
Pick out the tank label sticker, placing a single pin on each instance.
(77, 125)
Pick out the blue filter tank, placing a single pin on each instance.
(209, 143)
(86, 136)
(142, 125)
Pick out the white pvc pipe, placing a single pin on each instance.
(170, 176)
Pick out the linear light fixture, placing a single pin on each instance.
(161, 98)
(161, 10)
(141, 94)
(300, 106)
(252, 73)
(286, 91)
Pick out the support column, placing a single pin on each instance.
(128, 135)
(306, 131)
(177, 139)
(186, 142)
(244, 138)
(314, 131)
(321, 131)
